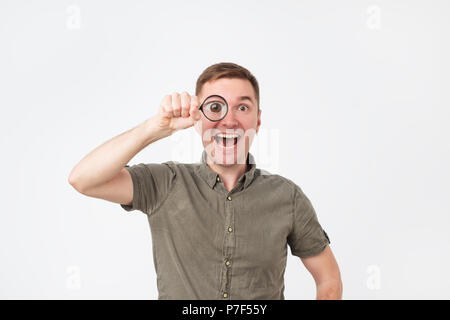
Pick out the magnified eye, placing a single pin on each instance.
(214, 107)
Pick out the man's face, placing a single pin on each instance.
(228, 141)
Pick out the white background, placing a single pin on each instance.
(355, 105)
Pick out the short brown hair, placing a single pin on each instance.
(226, 70)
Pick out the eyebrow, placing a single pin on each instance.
(246, 98)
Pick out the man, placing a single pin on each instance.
(220, 228)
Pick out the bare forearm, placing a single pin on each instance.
(330, 290)
(105, 162)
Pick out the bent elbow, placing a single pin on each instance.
(74, 182)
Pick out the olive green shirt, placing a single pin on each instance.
(211, 243)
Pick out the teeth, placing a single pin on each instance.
(228, 136)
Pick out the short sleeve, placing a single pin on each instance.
(307, 238)
(151, 185)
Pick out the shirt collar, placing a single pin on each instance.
(210, 176)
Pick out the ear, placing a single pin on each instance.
(259, 121)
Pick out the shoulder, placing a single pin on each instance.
(182, 168)
(276, 180)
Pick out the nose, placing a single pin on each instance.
(230, 120)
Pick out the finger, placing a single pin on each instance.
(194, 112)
(167, 114)
(185, 103)
(176, 104)
(166, 106)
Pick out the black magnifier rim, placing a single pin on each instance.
(214, 95)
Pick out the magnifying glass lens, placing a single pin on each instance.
(215, 108)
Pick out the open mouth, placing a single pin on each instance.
(226, 139)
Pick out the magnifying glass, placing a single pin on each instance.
(214, 107)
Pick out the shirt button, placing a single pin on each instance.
(228, 262)
(229, 198)
(225, 295)
(230, 229)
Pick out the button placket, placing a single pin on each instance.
(228, 247)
